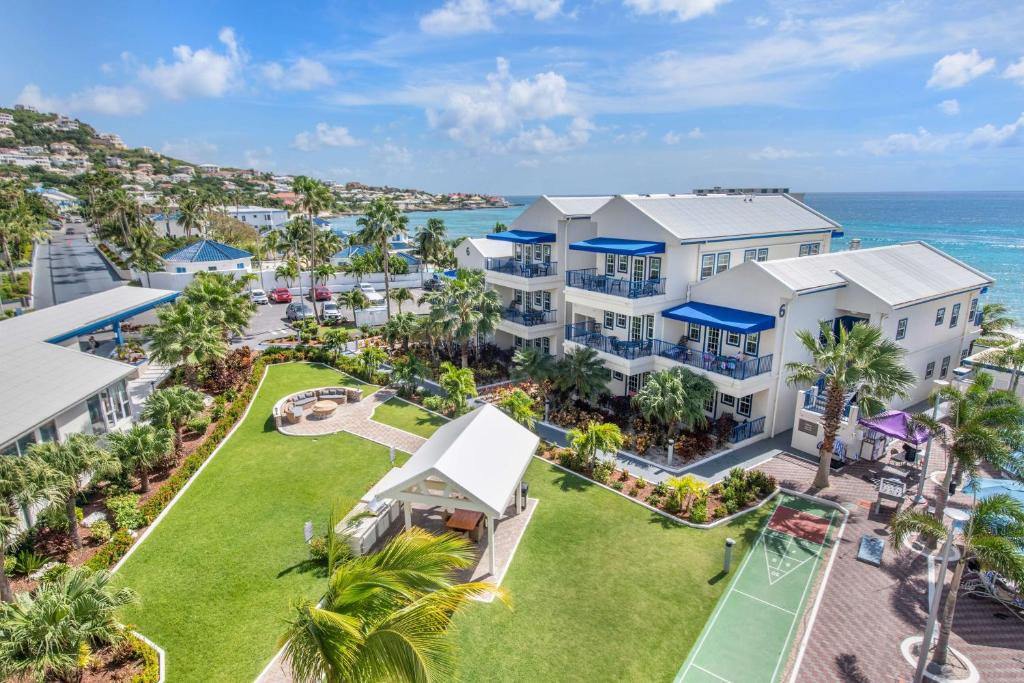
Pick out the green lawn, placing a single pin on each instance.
(216, 576)
(408, 416)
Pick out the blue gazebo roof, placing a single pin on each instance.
(731, 319)
(618, 245)
(523, 236)
(206, 250)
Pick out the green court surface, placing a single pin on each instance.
(749, 636)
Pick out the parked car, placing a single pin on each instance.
(280, 295)
(258, 296)
(371, 294)
(319, 293)
(331, 312)
(433, 283)
(300, 311)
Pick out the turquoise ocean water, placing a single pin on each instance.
(983, 229)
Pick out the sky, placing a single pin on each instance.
(546, 96)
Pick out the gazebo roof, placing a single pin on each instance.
(483, 453)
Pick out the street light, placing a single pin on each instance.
(956, 515)
(919, 498)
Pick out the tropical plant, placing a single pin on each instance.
(223, 299)
(431, 241)
(355, 299)
(370, 359)
(171, 409)
(287, 271)
(1010, 357)
(313, 198)
(459, 386)
(25, 480)
(533, 364)
(519, 406)
(143, 250)
(996, 324)
(858, 361)
(401, 327)
(592, 438)
(993, 538)
(400, 296)
(335, 339)
(581, 374)
(193, 208)
(187, 334)
(676, 399)
(382, 222)
(407, 371)
(140, 449)
(76, 459)
(685, 489)
(51, 633)
(19, 221)
(386, 615)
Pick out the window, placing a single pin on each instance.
(707, 266)
(620, 320)
(762, 254)
(713, 341)
(538, 300)
(547, 301)
(636, 329)
(654, 267)
(732, 339)
(749, 255)
(709, 404)
(694, 332)
(633, 384)
(940, 316)
(211, 267)
(901, 328)
(546, 253)
(623, 264)
(240, 266)
(944, 368)
(609, 264)
(811, 249)
(617, 376)
(609, 320)
(518, 343)
(649, 325)
(743, 407)
(518, 252)
(954, 317)
(519, 297)
(751, 344)
(179, 269)
(929, 370)
(545, 345)
(728, 400)
(964, 354)
(723, 262)
(467, 251)
(973, 315)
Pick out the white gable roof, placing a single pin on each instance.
(899, 274)
(578, 206)
(484, 453)
(491, 248)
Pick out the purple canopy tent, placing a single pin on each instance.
(896, 424)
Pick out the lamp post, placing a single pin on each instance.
(955, 515)
(919, 498)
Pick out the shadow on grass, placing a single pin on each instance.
(717, 577)
(317, 569)
(572, 482)
(268, 425)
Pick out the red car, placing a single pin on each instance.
(319, 293)
(280, 295)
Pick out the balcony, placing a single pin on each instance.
(742, 432)
(815, 403)
(510, 266)
(587, 334)
(736, 368)
(529, 318)
(590, 280)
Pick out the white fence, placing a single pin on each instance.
(267, 280)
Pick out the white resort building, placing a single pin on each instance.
(260, 217)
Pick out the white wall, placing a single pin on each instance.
(338, 283)
(204, 266)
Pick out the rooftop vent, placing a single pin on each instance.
(855, 244)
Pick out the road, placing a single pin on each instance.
(70, 268)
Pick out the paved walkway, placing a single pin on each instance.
(70, 268)
(867, 611)
(357, 419)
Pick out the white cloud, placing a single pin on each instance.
(259, 159)
(300, 74)
(102, 99)
(1015, 71)
(683, 10)
(923, 141)
(543, 140)
(325, 135)
(202, 73)
(1010, 135)
(920, 141)
(197, 151)
(633, 136)
(672, 138)
(394, 155)
(958, 69)
(770, 153)
(949, 107)
(695, 133)
(457, 17)
(540, 9)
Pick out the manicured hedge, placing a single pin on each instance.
(150, 661)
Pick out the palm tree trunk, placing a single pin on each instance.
(178, 429)
(831, 420)
(948, 611)
(69, 506)
(6, 594)
(10, 261)
(386, 257)
(144, 479)
(464, 350)
(943, 498)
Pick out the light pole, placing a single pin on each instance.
(956, 515)
(919, 498)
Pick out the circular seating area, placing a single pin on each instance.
(314, 404)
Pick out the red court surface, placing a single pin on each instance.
(803, 525)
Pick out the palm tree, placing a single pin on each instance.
(313, 197)
(581, 374)
(465, 309)
(676, 399)
(1011, 357)
(996, 324)
(857, 362)
(355, 299)
(407, 371)
(382, 222)
(192, 209)
(370, 360)
(222, 298)
(335, 339)
(19, 222)
(272, 241)
(79, 457)
(595, 436)
(140, 449)
(431, 241)
(401, 328)
(144, 251)
(24, 481)
(993, 537)
(519, 406)
(385, 616)
(50, 633)
(287, 271)
(185, 334)
(163, 207)
(172, 408)
(459, 386)
(400, 296)
(686, 488)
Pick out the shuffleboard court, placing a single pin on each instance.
(750, 633)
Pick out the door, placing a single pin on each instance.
(714, 340)
(636, 328)
(547, 254)
(639, 263)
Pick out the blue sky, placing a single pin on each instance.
(553, 96)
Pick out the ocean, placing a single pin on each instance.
(983, 229)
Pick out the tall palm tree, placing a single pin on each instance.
(144, 251)
(860, 361)
(1010, 357)
(77, 458)
(535, 365)
(385, 616)
(19, 221)
(581, 374)
(272, 241)
(594, 437)
(382, 222)
(519, 406)
(50, 633)
(400, 296)
(171, 409)
(192, 210)
(140, 449)
(313, 198)
(431, 241)
(675, 398)
(996, 323)
(185, 334)
(993, 537)
(163, 207)
(355, 299)
(25, 480)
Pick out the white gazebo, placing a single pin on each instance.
(475, 462)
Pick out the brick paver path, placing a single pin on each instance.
(867, 611)
(356, 418)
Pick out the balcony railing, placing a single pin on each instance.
(592, 281)
(588, 334)
(737, 368)
(815, 402)
(744, 431)
(510, 266)
(528, 317)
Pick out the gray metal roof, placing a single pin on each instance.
(577, 206)
(692, 217)
(39, 380)
(899, 274)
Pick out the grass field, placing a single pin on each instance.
(216, 576)
(408, 417)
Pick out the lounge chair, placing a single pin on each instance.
(994, 587)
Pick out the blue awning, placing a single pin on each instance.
(731, 319)
(618, 245)
(523, 236)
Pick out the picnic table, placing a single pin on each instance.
(891, 490)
